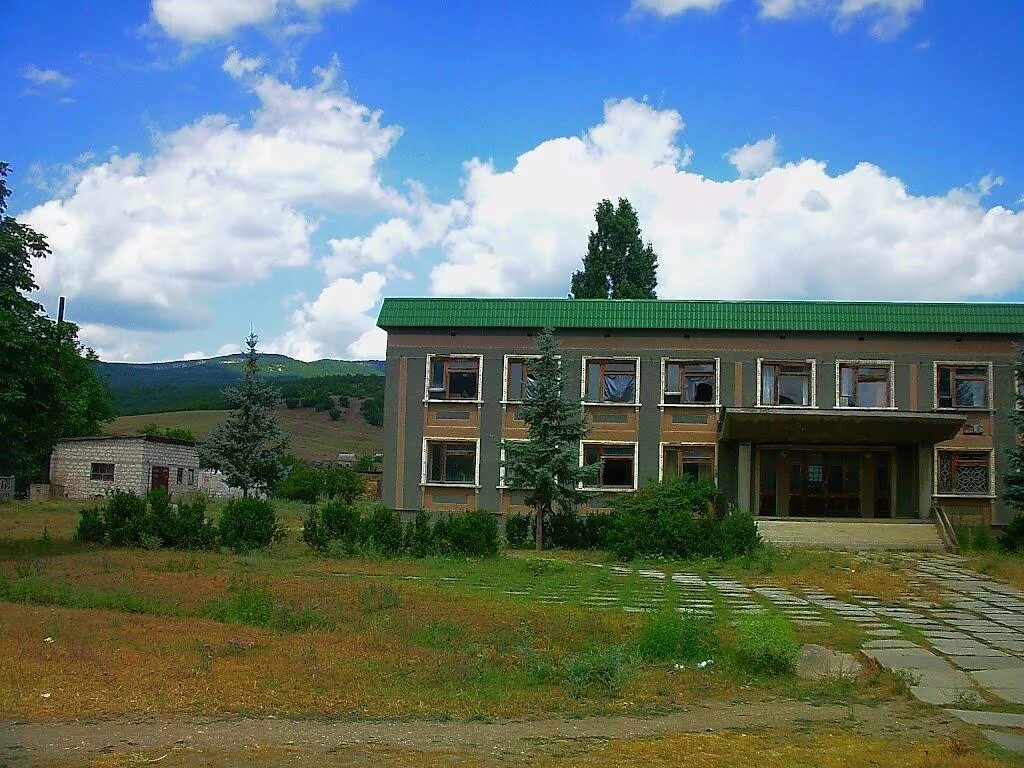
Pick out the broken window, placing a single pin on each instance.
(865, 386)
(615, 463)
(691, 382)
(454, 378)
(962, 386)
(519, 379)
(786, 383)
(101, 471)
(611, 381)
(451, 461)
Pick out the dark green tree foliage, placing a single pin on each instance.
(48, 388)
(547, 464)
(618, 264)
(1013, 480)
(249, 446)
(247, 524)
(175, 433)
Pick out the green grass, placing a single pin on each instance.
(765, 644)
(253, 603)
(671, 636)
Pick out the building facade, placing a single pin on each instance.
(94, 466)
(795, 409)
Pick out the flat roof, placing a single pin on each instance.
(147, 438)
(686, 314)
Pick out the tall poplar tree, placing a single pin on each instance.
(1013, 480)
(618, 263)
(249, 446)
(547, 464)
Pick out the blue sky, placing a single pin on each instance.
(290, 162)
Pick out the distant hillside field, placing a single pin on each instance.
(223, 371)
(314, 435)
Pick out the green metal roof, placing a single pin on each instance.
(850, 316)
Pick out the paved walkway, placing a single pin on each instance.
(957, 636)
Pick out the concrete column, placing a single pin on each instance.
(743, 479)
(925, 459)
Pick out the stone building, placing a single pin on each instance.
(83, 467)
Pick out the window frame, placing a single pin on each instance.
(990, 403)
(427, 398)
(505, 399)
(716, 361)
(103, 478)
(987, 452)
(813, 384)
(587, 359)
(613, 488)
(425, 480)
(1018, 390)
(890, 364)
(678, 444)
(502, 485)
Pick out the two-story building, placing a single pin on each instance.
(795, 409)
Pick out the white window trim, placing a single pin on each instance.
(683, 444)
(501, 466)
(479, 378)
(963, 364)
(636, 463)
(504, 375)
(991, 473)
(814, 382)
(1018, 382)
(423, 464)
(718, 381)
(583, 381)
(890, 364)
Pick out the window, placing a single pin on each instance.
(694, 461)
(865, 385)
(181, 475)
(964, 473)
(104, 472)
(616, 463)
(518, 379)
(453, 378)
(787, 383)
(690, 382)
(610, 381)
(961, 386)
(1019, 400)
(191, 477)
(451, 461)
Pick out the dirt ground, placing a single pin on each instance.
(203, 741)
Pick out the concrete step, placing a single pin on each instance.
(852, 534)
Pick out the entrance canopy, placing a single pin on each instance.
(810, 425)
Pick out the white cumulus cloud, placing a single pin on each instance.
(667, 8)
(141, 242)
(197, 21)
(51, 78)
(885, 18)
(756, 158)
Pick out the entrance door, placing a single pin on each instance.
(806, 482)
(160, 477)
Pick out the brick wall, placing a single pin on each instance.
(133, 459)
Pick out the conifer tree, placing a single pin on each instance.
(249, 446)
(547, 465)
(618, 263)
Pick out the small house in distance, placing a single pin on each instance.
(83, 467)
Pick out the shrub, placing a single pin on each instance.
(193, 530)
(248, 524)
(419, 536)
(334, 413)
(1012, 539)
(602, 669)
(382, 532)
(303, 484)
(473, 533)
(736, 535)
(765, 644)
(343, 483)
(336, 526)
(91, 526)
(124, 518)
(671, 636)
(519, 531)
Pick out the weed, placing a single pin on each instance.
(670, 636)
(438, 635)
(603, 670)
(765, 643)
(377, 596)
(253, 603)
(40, 590)
(905, 680)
